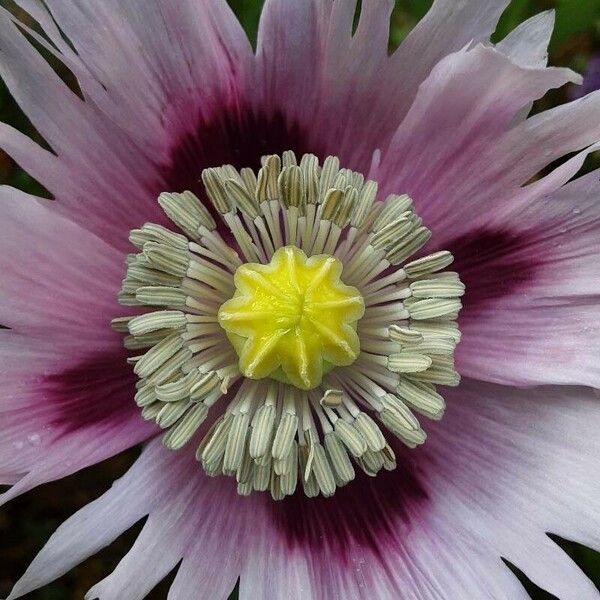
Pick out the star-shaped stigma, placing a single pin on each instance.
(292, 319)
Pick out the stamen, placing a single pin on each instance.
(304, 344)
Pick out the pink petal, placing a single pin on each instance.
(352, 114)
(115, 150)
(502, 468)
(62, 409)
(191, 516)
(55, 277)
(451, 153)
(527, 44)
(532, 305)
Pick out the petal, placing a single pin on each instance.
(457, 149)
(329, 81)
(143, 95)
(500, 470)
(527, 44)
(61, 409)
(531, 311)
(193, 517)
(482, 488)
(55, 278)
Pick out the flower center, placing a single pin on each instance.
(292, 319)
(302, 377)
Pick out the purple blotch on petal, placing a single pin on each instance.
(368, 511)
(97, 391)
(232, 135)
(493, 264)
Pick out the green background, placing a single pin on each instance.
(26, 523)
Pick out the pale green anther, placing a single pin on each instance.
(183, 431)
(145, 396)
(121, 324)
(149, 412)
(331, 204)
(443, 329)
(392, 207)
(249, 178)
(441, 372)
(400, 412)
(275, 487)
(187, 212)
(208, 383)
(338, 456)
(422, 397)
(156, 295)
(435, 345)
(266, 185)
(263, 425)
(371, 462)
(169, 260)
(178, 389)
(291, 186)
(262, 477)
(322, 471)
(344, 210)
(245, 201)
(392, 231)
(151, 232)
(437, 288)
(412, 243)
(214, 449)
(170, 366)
(428, 264)
(389, 458)
(411, 437)
(244, 488)
(154, 321)
(350, 437)
(310, 175)
(157, 355)
(144, 341)
(433, 308)
(364, 204)
(403, 335)
(331, 166)
(286, 430)
(236, 441)
(244, 472)
(332, 398)
(126, 299)
(288, 159)
(370, 432)
(171, 412)
(289, 480)
(144, 274)
(216, 191)
(310, 485)
(408, 362)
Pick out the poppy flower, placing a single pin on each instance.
(355, 297)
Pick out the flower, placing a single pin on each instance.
(170, 90)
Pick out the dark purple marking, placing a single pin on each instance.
(493, 263)
(369, 511)
(236, 136)
(98, 390)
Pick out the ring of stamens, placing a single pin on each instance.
(270, 434)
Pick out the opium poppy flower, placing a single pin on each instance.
(347, 300)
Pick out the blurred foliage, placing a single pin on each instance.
(26, 523)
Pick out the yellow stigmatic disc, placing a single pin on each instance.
(292, 319)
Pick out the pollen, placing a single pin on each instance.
(293, 319)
